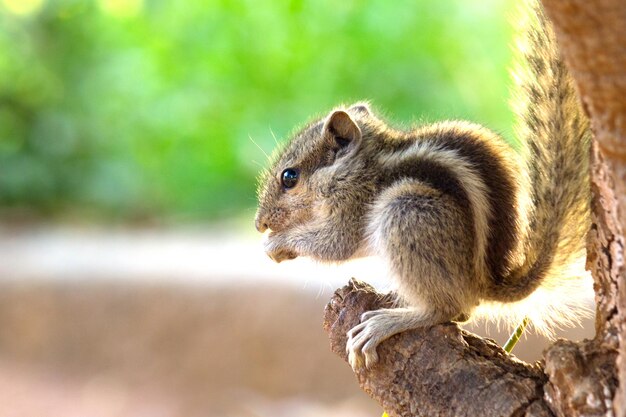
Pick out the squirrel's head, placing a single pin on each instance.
(298, 179)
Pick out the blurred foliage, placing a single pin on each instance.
(133, 108)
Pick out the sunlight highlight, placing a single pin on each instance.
(23, 7)
(121, 8)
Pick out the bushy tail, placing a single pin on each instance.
(555, 136)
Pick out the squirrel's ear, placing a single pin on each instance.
(361, 107)
(342, 129)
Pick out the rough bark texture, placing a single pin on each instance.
(446, 371)
(592, 37)
(442, 370)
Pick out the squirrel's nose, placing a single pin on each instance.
(260, 224)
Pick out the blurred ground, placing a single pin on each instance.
(185, 322)
(162, 350)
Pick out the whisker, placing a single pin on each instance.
(261, 149)
(263, 167)
(320, 291)
(274, 136)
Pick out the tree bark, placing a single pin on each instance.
(592, 37)
(446, 371)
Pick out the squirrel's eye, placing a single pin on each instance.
(289, 178)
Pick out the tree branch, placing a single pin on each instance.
(446, 371)
(442, 370)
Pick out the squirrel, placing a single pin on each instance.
(461, 218)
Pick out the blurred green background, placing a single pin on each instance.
(140, 109)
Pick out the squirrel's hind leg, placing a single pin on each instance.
(379, 325)
(426, 236)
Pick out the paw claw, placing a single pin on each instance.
(354, 353)
(369, 314)
(376, 326)
(371, 359)
(364, 338)
(369, 351)
(355, 360)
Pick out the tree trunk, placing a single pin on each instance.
(446, 371)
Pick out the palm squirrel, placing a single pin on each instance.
(461, 219)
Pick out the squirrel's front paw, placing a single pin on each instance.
(282, 254)
(278, 252)
(364, 338)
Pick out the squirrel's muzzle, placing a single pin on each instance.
(260, 223)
